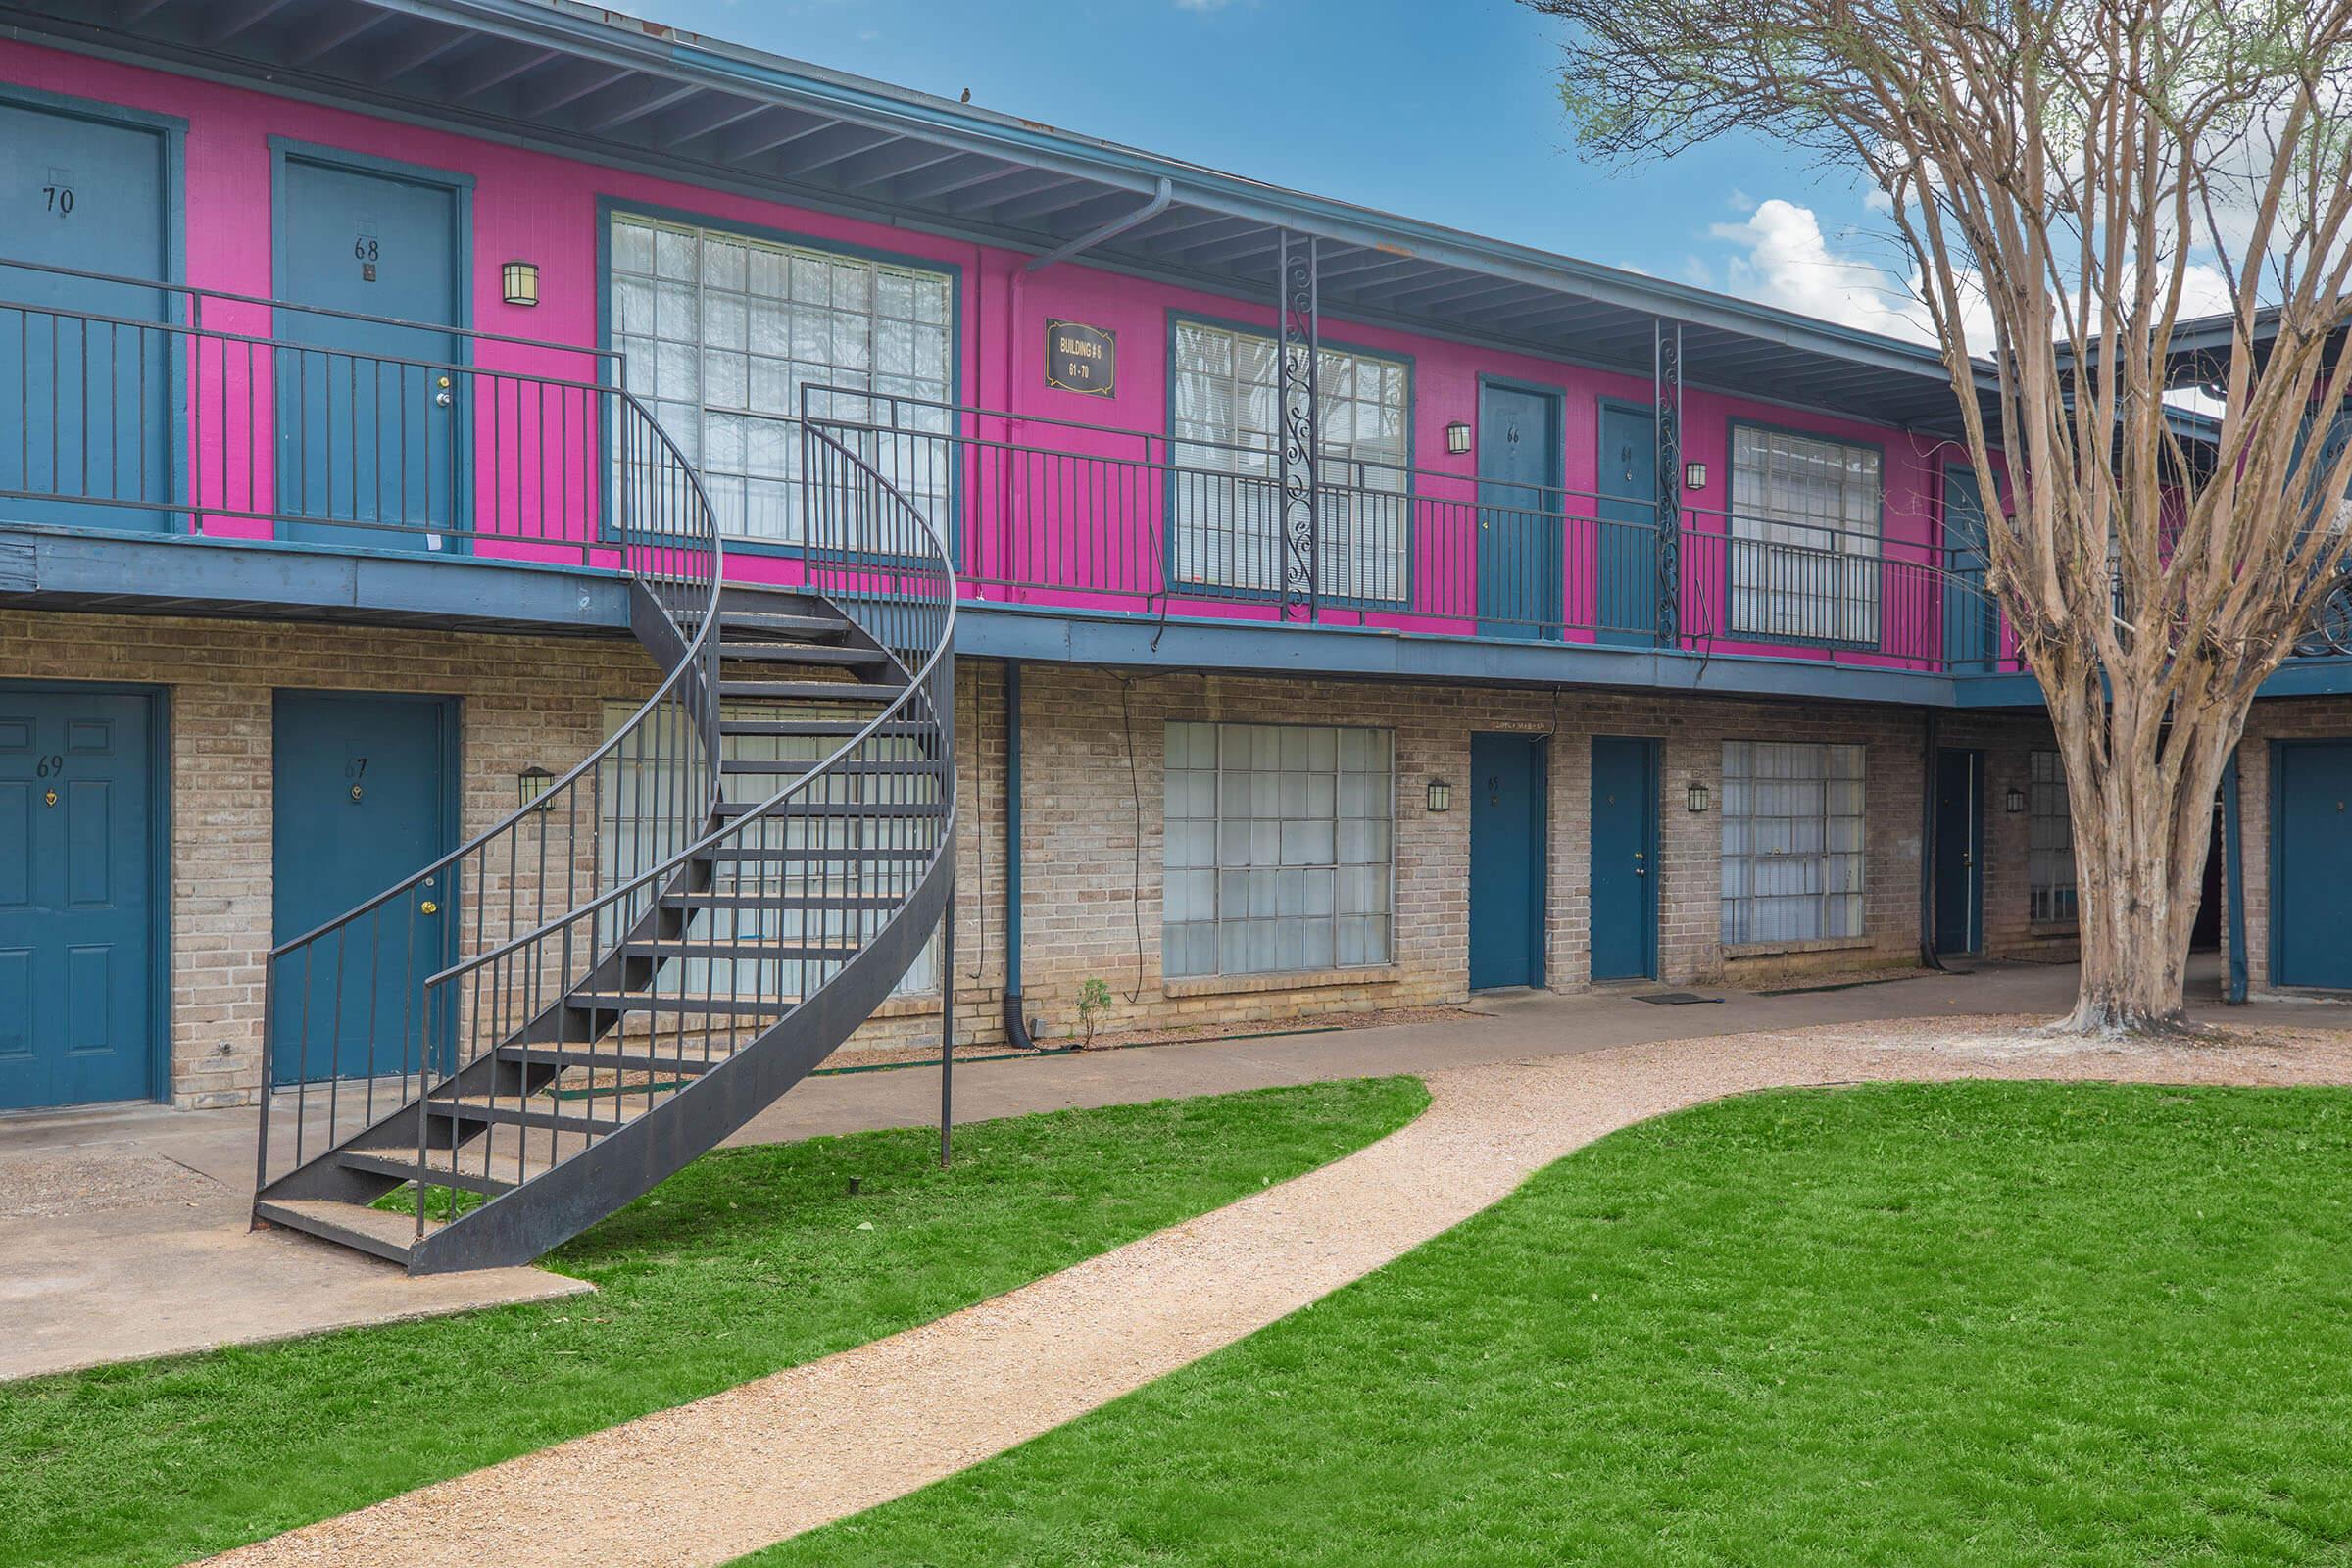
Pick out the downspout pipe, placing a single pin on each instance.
(1926, 848)
(1159, 202)
(1017, 1025)
(2233, 880)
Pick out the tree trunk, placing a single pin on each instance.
(2143, 831)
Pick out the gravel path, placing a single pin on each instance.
(710, 1480)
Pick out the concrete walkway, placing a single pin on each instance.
(122, 1233)
(707, 1482)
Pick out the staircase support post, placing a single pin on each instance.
(947, 1026)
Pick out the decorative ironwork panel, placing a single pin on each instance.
(1666, 393)
(1301, 501)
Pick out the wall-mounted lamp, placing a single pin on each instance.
(2016, 801)
(530, 785)
(1457, 438)
(1695, 798)
(520, 280)
(1694, 476)
(1441, 795)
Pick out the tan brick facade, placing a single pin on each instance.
(523, 701)
(1093, 749)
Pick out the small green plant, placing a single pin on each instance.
(1093, 999)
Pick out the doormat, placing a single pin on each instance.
(1674, 998)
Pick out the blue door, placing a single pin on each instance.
(372, 416)
(86, 404)
(1970, 629)
(364, 794)
(1625, 854)
(1506, 860)
(2312, 865)
(1519, 514)
(1624, 548)
(77, 899)
(1959, 851)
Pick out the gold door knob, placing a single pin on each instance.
(429, 907)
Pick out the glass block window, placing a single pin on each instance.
(720, 333)
(2049, 841)
(628, 784)
(1226, 424)
(1793, 842)
(1804, 537)
(1277, 849)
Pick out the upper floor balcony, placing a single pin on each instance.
(356, 468)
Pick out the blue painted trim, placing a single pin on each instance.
(460, 188)
(1654, 754)
(174, 130)
(1732, 425)
(449, 710)
(2233, 878)
(237, 574)
(1176, 315)
(1559, 470)
(959, 369)
(158, 861)
(1603, 405)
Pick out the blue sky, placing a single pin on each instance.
(1441, 109)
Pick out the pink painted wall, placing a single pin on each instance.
(544, 208)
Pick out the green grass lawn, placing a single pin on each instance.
(744, 1262)
(1960, 1325)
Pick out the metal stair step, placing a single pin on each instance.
(799, 855)
(403, 1164)
(370, 1229)
(815, 691)
(791, 765)
(756, 625)
(746, 951)
(750, 599)
(697, 901)
(797, 811)
(731, 652)
(817, 726)
(622, 1002)
(611, 1058)
(510, 1113)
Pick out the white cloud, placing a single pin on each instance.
(1878, 201)
(1785, 260)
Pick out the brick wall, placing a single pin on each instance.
(1093, 766)
(522, 700)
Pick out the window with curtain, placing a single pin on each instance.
(2049, 841)
(1225, 424)
(719, 331)
(1793, 842)
(628, 783)
(1804, 537)
(1276, 849)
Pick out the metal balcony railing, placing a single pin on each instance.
(1049, 511)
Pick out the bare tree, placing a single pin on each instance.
(2061, 172)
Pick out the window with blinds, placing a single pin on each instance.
(719, 331)
(2049, 841)
(1804, 537)
(1276, 849)
(1793, 842)
(1225, 424)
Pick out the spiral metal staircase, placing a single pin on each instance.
(518, 1040)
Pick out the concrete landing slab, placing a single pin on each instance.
(115, 1248)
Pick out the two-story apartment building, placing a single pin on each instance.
(1348, 612)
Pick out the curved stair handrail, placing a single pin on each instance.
(813, 902)
(354, 1028)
